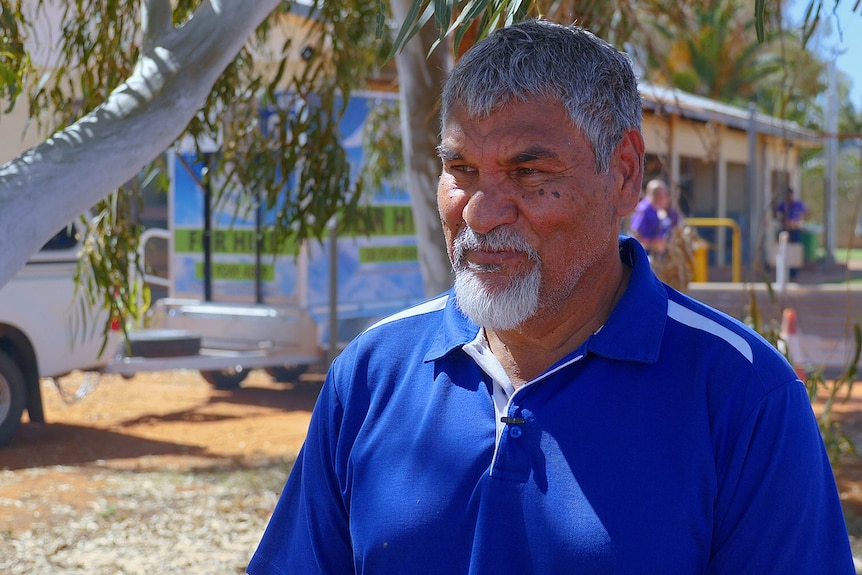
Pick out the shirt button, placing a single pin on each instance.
(515, 431)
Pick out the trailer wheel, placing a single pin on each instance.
(286, 373)
(225, 379)
(13, 397)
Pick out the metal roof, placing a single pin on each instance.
(664, 99)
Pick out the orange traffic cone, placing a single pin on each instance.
(792, 347)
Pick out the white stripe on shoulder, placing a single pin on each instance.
(693, 319)
(433, 305)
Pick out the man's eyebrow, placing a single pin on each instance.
(533, 154)
(447, 154)
(529, 155)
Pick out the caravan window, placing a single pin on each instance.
(65, 239)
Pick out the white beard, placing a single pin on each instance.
(495, 309)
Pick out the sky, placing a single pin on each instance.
(848, 43)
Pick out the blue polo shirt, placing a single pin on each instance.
(674, 440)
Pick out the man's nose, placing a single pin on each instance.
(489, 207)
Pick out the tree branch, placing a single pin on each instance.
(156, 21)
(83, 163)
(420, 76)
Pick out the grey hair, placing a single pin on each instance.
(538, 58)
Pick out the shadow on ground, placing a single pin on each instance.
(50, 444)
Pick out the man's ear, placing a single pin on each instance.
(629, 160)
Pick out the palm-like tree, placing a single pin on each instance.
(712, 50)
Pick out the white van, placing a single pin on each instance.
(46, 329)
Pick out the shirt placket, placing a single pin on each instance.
(518, 437)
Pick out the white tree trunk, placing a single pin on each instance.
(46, 187)
(420, 77)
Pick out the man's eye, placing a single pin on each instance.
(462, 168)
(526, 171)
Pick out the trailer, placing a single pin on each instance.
(237, 298)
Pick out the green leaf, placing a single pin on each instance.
(758, 19)
(408, 27)
(442, 15)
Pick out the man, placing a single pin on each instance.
(560, 410)
(654, 217)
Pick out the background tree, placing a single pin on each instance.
(719, 57)
(420, 75)
(130, 103)
(122, 92)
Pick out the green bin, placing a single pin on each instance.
(808, 239)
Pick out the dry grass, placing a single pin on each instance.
(202, 522)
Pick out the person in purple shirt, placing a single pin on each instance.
(654, 217)
(790, 213)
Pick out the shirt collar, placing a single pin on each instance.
(455, 332)
(632, 332)
(635, 327)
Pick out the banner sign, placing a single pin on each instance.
(377, 271)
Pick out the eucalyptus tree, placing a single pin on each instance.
(130, 79)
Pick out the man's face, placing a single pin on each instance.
(661, 198)
(524, 213)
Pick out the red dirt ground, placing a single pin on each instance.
(167, 420)
(175, 420)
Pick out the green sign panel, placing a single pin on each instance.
(238, 241)
(388, 254)
(386, 220)
(235, 271)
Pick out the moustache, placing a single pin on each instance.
(498, 239)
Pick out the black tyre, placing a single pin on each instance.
(286, 373)
(225, 378)
(13, 397)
